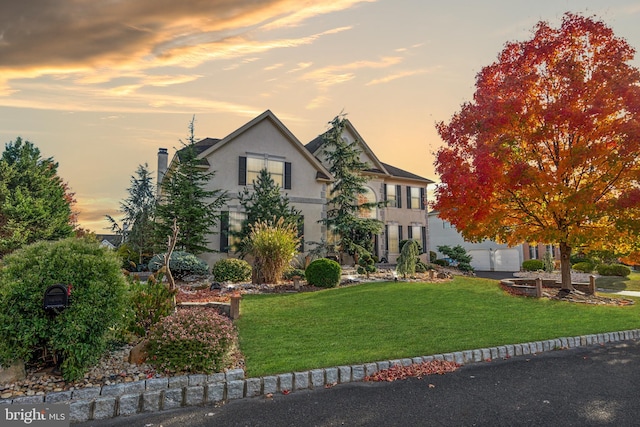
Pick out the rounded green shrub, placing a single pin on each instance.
(231, 270)
(193, 340)
(324, 273)
(583, 267)
(78, 333)
(181, 263)
(613, 270)
(421, 267)
(533, 265)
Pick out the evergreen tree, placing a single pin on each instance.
(138, 211)
(186, 199)
(354, 233)
(264, 204)
(406, 262)
(34, 201)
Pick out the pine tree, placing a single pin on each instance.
(35, 203)
(354, 233)
(138, 211)
(186, 199)
(264, 204)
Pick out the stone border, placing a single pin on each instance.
(157, 394)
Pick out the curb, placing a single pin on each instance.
(158, 394)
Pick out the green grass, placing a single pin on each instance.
(382, 321)
(629, 283)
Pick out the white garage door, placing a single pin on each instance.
(481, 259)
(507, 260)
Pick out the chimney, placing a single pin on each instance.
(163, 159)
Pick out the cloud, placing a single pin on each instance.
(399, 75)
(49, 37)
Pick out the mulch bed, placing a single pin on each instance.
(574, 296)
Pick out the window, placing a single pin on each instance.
(368, 197)
(250, 167)
(415, 198)
(230, 222)
(392, 196)
(394, 235)
(533, 251)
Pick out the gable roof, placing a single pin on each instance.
(378, 167)
(215, 144)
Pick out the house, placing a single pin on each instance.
(265, 142)
(486, 255)
(111, 241)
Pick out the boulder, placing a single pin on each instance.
(15, 372)
(139, 353)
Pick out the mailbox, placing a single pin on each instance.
(56, 297)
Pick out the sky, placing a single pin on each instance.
(101, 85)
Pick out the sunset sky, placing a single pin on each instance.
(101, 85)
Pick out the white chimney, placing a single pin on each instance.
(163, 160)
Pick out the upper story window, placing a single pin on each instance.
(415, 198)
(250, 167)
(392, 196)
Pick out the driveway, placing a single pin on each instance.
(585, 386)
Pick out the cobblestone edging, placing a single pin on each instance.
(158, 394)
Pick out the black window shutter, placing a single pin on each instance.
(399, 234)
(224, 231)
(399, 195)
(409, 232)
(384, 192)
(386, 237)
(424, 239)
(242, 171)
(287, 175)
(408, 197)
(422, 196)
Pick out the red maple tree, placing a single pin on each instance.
(548, 150)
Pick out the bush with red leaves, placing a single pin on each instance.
(416, 370)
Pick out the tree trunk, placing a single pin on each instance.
(565, 267)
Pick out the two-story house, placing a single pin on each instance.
(265, 142)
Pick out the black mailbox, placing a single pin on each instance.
(56, 297)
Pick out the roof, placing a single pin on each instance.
(200, 147)
(401, 173)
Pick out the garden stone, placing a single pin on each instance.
(179, 381)
(129, 404)
(194, 395)
(104, 407)
(235, 374)
(139, 353)
(301, 380)
(357, 372)
(317, 378)
(331, 375)
(458, 357)
(151, 401)
(407, 362)
(28, 400)
(448, 357)
(254, 387)
(134, 387)
(344, 374)
(197, 379)
(383, 365)
(80, 411)
(216, 378)
(58, 397)
(85, 393)
(486, 354)
(372, 368)
(270, 385)
(494, 353)
(113, 390)
(215, 392)
(235, 389)
(417, 360)
(14, 372)
(157, 383)
(286, 382)
(172, 398)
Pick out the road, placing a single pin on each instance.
(595, 386)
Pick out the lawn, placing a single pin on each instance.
(629, 283)
(382, 321)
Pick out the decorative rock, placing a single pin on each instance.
(254, 387)
(331, 375)
(286, 382)
(215, 392)
(15, 372)
(194, 395)
(151, 401)
(301, 380)
(172, 398)
(104, 407)
(344, 374)
(270, 385)
(139, 352)
(129, 404)
(235, 389)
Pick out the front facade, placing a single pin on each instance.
(265, 142)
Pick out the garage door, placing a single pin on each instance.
(506, 260)
(481, 259)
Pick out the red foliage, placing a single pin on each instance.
(547, 150)
(416, 370)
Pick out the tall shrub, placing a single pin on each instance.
(406, 263)
(78, 333)
(273, 248)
